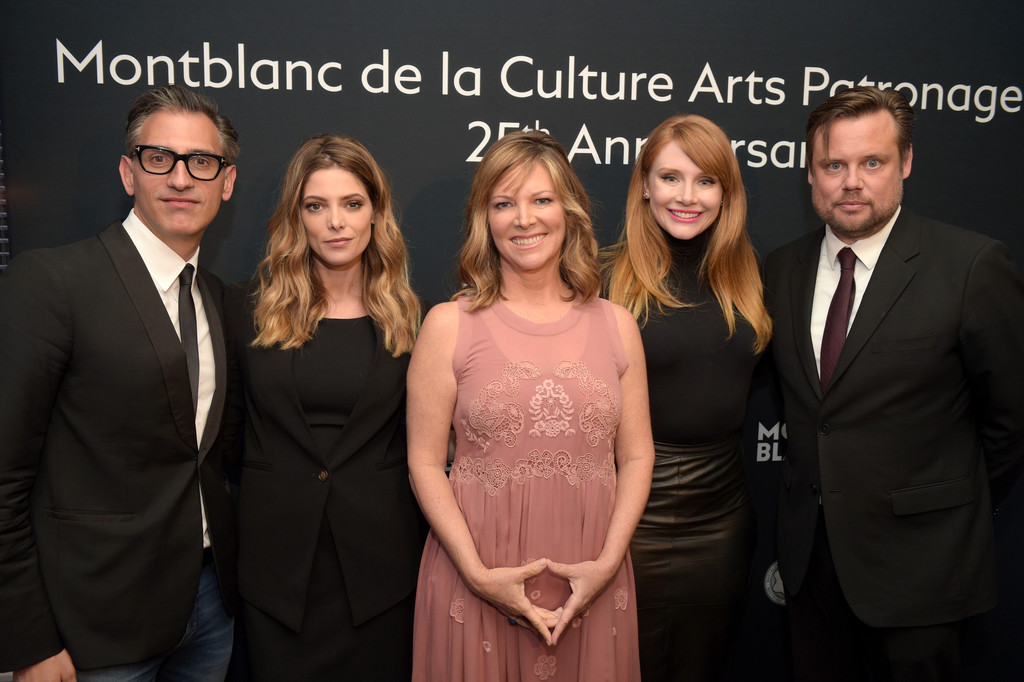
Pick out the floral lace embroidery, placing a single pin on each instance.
(545, 667)
(497, 417)
(551, 409)
(545, 465)
(621, 598)
(457, 610)
(473, 438)
(491, 475)
(495, 414)
(487, 646)
(599, 416)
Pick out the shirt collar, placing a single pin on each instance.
(867, 250)
(163, 263)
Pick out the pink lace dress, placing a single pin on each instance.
(534, 474)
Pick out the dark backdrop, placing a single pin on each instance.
(68, 71)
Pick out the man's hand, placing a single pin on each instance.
(56, 668)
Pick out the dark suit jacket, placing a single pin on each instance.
(288, 485)
(923, 418)
(100, 523)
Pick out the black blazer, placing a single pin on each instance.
(921, 427)
(100, 523)
(288, 486)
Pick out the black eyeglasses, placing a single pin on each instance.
(161, 161)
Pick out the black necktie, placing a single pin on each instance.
(838, 319)
(187, 325)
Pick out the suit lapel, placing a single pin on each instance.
(140, 287)
(278, 385)
(214, 317)
(803, 278)
(891, 276)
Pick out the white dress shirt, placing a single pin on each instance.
(164, 267)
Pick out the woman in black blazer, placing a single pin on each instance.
(330, 535)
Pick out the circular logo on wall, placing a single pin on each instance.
(773, 585)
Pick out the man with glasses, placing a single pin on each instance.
(117, 529)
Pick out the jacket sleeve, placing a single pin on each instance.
(992, 342)
(36, 337)
(236, 317)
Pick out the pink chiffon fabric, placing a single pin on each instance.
(534, 475)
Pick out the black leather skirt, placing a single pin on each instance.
(696, 539)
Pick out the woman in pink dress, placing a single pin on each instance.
(526, 573)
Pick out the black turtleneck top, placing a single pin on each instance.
(698, 376)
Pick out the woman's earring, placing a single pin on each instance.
(646, 195)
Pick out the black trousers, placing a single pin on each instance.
(829, 643)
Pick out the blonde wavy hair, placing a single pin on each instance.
(518, 153)
(290, 300)
(638, 265)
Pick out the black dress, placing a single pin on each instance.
(694, 545)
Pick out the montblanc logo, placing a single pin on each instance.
(768, 441)
(773, 588)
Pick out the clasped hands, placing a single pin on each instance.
(505, 589)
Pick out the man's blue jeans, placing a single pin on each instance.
(202, 655)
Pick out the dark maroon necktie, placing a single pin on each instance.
(838, 316)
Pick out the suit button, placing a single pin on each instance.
(322, 475)
(824, 429)
(814, 489)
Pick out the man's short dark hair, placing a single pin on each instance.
(182, 100)
(857, 102)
